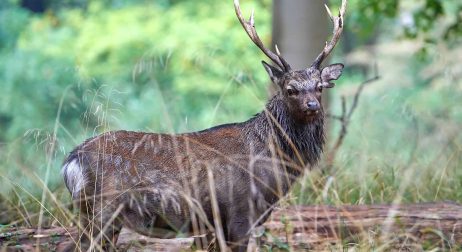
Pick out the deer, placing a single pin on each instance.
(223, 180)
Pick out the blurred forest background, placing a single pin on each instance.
(70, 69)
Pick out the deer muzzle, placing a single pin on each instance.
(313, 106)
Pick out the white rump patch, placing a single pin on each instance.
(73, 176)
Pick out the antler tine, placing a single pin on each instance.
(249, 27)
(338, 28)
(329, 13)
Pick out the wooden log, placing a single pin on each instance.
(425, 225)
(57, 238)
(414, 226)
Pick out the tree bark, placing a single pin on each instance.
(296, 227)
(300, 30)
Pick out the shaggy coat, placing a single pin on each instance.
(225, 179)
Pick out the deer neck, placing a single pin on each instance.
(303, 143)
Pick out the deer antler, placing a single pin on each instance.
(249, 27)
(338, 28)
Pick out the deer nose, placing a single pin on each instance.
(313, 106)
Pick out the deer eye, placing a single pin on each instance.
(291, 91)
(319, 87)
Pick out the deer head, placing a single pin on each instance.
(301, 89)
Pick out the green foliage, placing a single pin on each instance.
(369, 14)
(12, 21)
(66, 75)
(85, 67)
(430, 20)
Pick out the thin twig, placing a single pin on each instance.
(345, 117)
(360, 89)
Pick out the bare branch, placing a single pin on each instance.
(345, 116)
(360, 89)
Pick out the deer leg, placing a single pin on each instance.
(105, 227)
(98, 230)
(237, 236)
(82, 241)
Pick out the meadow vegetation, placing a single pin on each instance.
(80, 69)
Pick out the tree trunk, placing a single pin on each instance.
(298, 228)
(300, 29)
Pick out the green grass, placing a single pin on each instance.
(403, 144)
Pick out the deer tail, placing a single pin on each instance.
(73, 173)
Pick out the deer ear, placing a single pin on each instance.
(330, 73)
(274, 73)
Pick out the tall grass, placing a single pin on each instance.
(395, 151)
(403, 144)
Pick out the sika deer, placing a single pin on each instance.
(222, 179)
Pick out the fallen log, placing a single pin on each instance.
(414, 226)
